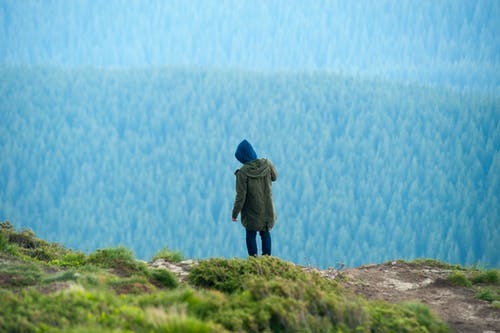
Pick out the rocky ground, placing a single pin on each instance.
(402, 281)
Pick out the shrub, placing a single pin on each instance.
(73, 259)
(168, 255)
(230, 275)
(433, 263)
(488, 294)
(119, 258)
(5, 245)
(491, 276)
(131, 285)
(44, 251)
(69, 275)
(425, 318)
(163, 278)
(25, 239)
(19, 275)
(459, 279)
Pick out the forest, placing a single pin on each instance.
(450, 42)
(369, 169)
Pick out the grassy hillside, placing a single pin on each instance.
(46, 287)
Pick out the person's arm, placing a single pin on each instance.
(274, 173)
(241, 194)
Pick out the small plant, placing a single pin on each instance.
(168, 255)
(459, 279)
(19, 275)
(431, 263)
(69, 275)
(477, 280)
(6, 246)
(131, 285)
(24, 239)
(486, 294)
(491, 276)
(230, 275)
(162, 278)
(119, 258)
(409, 317)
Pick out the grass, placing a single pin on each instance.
(491, 276)
(487, 294)
(61, 290)
(485, 283)
(459, 279)
(19, 274)
(168, 255)
(427, 262)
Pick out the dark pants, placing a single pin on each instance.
(265, 236)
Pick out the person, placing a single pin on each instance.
(254, 199)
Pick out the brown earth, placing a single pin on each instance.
(424, 282)
(399, 281)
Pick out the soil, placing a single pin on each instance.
(401, 281)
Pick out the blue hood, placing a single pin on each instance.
(245, 153)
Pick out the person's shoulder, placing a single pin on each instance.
(267, 161)
(240, 171)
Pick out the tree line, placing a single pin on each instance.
(369, 170)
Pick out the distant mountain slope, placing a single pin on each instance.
(450, 42)
(369, 170)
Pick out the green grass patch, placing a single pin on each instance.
(408, 317)
(162, 278)
(119, 258)
(168, 255)
(131, 285)
(69, 275)
(491, 276)
(427, 262)
(230, 275)
(459, 279)
(58, 290)
(488, 294)
(485, 283)
(19, 274)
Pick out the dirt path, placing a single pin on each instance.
(400, 281)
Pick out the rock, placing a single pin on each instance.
(181, 269)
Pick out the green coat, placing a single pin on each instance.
(254, 198)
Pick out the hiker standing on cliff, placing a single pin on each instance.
(254, 199)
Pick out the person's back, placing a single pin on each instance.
(254, 197)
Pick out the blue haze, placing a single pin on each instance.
(119, 120)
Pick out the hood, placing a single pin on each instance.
(245, 152)
(256, 168)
